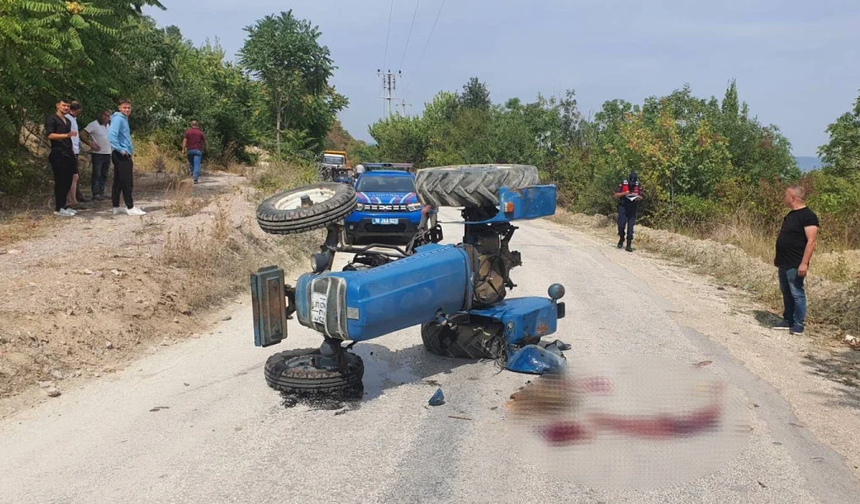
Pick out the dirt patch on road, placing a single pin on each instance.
(97, 290)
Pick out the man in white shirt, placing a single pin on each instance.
(75, 195)
(96, 133)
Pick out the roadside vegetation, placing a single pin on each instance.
(135, 285)
(833, 288)
(99, 51)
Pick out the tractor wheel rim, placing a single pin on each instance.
(293, 201)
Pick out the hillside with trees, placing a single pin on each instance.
(704, 162)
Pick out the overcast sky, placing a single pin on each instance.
(797, 62)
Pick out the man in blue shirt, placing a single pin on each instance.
(122, 155)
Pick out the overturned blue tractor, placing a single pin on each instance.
(456, 293)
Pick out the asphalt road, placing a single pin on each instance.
(196, 423)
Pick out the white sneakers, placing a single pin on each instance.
(128, 211)
(66, 212)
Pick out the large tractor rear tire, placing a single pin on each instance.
(306, 208)
(471, 185)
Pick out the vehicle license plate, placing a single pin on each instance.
(385, 222)
(318, 308)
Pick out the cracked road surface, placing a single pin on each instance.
(195, 422)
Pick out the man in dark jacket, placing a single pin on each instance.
(59, 132)
(628, 193)
(794, 247)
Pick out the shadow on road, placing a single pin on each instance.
(765, 318)
(842, 367)
(385, 369)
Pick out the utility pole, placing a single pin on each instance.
(389, 85)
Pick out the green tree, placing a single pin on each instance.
(841, 154)
(51, 48)
(475, 95)
(401, 139)
(47, 47)
(285, 55)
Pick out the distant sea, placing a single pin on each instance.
(807, 163)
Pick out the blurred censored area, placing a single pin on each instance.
(631, 423)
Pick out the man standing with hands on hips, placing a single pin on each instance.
(122, 152)
(794, 247)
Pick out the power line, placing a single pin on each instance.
(408, 37)
(425, 47)
(388, 34)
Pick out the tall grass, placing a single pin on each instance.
(277, 175)
(741, 255)
(216, 259)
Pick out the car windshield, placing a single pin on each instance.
(386, 184)
(333, 160)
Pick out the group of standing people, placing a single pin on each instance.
(795, 245)
(109, 138)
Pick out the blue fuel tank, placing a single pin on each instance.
(360, 305)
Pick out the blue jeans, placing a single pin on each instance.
(101, 167)
(194, 157)
(793, 296)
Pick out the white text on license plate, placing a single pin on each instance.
(385, 222)
(318, 308)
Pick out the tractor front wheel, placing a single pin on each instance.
(297, 372)
(306, 208)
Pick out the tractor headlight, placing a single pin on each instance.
(413, 207)
(359, 207)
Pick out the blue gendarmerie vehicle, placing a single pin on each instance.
(457, 294)
(387, 208)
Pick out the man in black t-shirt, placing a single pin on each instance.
(794, 247)
(58, 130)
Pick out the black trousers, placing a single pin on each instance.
(123, 179)
(63, 168)
(626, 221)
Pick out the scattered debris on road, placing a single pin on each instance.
(437, 399)
(159, 408)
(459, 417)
